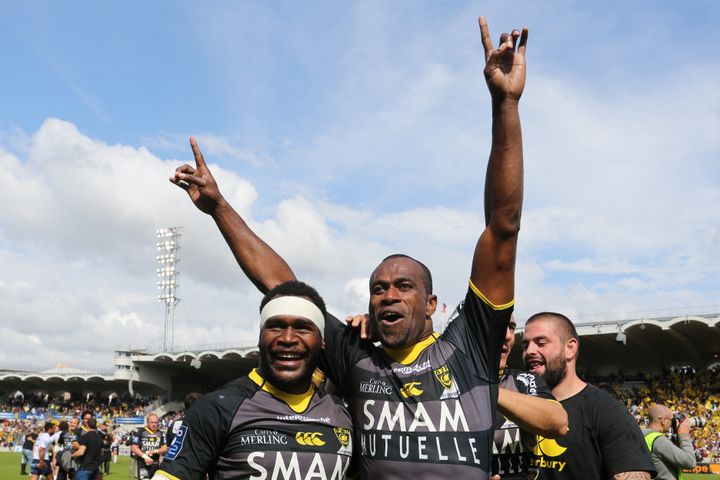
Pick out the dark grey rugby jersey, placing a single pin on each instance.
(148, 440)
(425, 412)
(510, 458)
(248, 429)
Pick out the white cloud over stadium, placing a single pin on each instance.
(387, 153)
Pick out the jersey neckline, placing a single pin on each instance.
(409, 354)
(298, 402)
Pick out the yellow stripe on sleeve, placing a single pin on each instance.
(163, 475)
(488, 302)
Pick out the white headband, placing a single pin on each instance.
(293, 306)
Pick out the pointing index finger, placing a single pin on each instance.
(199, 160)
(485, 36)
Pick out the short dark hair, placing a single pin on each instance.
(567, 329)
(294, 288)
(191, 398)
(49, 425)
(64, 426)
(87, 412)
(427, 276)
(92, 423)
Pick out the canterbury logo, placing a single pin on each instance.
(343, 436)
(443, 376)
(548, 447)
(309, 439)
(411, 390)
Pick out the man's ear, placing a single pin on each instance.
(431, 305)
(571, 349)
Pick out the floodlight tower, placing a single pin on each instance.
(168, 245)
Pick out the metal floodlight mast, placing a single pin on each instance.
(168, 245)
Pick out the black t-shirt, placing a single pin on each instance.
(603, 440)
(249, 429)
(29, 441)
(425, 411)
(93, 453)
(510, 456)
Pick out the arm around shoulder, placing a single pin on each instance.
(533, 414)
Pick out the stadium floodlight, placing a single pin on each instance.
(168, 245)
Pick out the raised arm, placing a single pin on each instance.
(493, 267)
(262, 265)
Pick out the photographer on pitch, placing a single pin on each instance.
(669, 459)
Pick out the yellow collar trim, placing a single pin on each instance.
(298, 402)
(488, 302)
(411, 353)
(151, 432)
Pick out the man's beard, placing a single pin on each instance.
(555, 371)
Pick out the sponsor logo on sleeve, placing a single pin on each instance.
(177, 443)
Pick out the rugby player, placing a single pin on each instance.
(423, 403)
(41, 453)
(272, 423)
(148, 443)
(65, 441)
(604, 441)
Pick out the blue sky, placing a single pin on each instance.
(344, 132)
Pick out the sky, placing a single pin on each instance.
(343, 132)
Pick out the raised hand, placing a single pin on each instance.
(198, 182)
(505, 65)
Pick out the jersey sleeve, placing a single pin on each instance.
(621, 441)
(531, 384)
(200, 440)
(477, 328)
(136, 438)
(343, 349)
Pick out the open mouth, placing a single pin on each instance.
(287, 359)
(534, 364)
(388, 317)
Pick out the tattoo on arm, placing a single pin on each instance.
(632, 476)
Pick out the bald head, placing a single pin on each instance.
(658, 412)
(660, 418)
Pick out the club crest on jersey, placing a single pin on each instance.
(177, 443)
(343, 436)
(309, 439)
(445, 378)
(411, 389)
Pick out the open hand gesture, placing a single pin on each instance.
(198, 182)
(505, 65)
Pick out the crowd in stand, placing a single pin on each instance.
(40, 404)
(687, 393)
